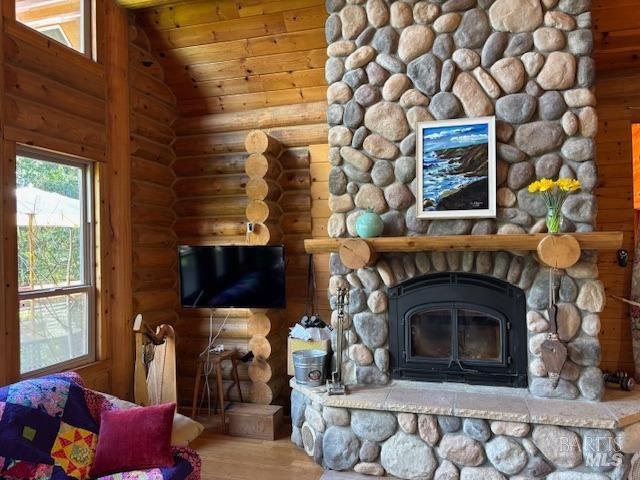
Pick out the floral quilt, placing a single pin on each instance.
(49, 429)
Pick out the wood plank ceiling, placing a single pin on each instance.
(228, 56)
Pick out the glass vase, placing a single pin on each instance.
(554, 220)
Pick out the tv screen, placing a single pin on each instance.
(232, 276)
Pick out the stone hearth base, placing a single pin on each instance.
(434, 431)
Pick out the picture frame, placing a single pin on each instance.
(456, 168)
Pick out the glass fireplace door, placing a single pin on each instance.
(430, 334)
(455, 334)
(479, 336)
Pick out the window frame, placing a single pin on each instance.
(56, 26)
(88, 26)
(88, 259)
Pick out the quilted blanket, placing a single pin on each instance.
(49, 429)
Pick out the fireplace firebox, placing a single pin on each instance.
(458, 327)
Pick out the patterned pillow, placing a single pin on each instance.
(47, 428)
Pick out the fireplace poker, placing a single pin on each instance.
(336, 386)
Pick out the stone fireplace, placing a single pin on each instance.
(394, 64)
(458, 327)
(516, 293)
(443, 348)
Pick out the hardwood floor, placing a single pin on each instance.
(233, 458)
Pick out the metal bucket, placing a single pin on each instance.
(310, 367)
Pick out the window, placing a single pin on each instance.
(65, 21)
(56, 279)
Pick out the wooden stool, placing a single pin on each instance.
(217, 359)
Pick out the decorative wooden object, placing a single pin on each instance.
(155, 364)
(554, 356)
(356, 253)
(559, 251)
(491, 243)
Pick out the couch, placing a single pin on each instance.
(49, 429)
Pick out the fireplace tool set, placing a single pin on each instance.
(553, 351)
(335, 386)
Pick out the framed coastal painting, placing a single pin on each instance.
(456, 168)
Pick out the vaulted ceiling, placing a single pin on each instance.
(227, 56)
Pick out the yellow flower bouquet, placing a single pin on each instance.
(554, 193)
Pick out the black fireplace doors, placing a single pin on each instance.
(458, 327)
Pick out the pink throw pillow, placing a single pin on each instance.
(134, 439)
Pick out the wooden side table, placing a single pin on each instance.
(217, 359)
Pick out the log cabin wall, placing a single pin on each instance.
(44, 106)
(153, 112)
(235, 66)
(617, 42)
(55, 98)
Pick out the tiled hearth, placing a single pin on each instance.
(617, 410)
(417, 430)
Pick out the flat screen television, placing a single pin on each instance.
(232, 276)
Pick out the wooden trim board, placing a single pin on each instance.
(490, 243)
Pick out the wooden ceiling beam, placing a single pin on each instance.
(140, 4)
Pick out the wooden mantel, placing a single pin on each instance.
(489, 243)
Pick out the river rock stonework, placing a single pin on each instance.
(424, 446)
(393, 64)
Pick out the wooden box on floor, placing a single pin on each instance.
(250, 420)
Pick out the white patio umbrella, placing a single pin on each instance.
(39, 208)
(36, 207)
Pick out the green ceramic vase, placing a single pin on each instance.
(369, 225)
